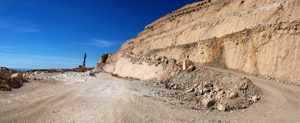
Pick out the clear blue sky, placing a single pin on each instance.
(56, 33)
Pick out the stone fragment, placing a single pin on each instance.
(191, 90)
(233, 95)
(243, 86)
(172, 84)
(220, 107)
(208, 84)
(220, 92)
(207, 102)
(175, 87)
(205, 90)
(191, 68)
(255, 98)
(18, 75)
(195, 85)
(186, 64)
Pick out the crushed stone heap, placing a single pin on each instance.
(211, 89)
(10, 78)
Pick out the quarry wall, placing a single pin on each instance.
(270, 50)
(259, 37)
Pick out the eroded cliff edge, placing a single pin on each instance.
(258, 37)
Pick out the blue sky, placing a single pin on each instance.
(43, 34)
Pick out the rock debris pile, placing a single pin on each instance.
(10, 78)
(204, 88)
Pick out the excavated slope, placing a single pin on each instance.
(259, 37)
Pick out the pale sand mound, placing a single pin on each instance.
(72, 77)
(66, 77)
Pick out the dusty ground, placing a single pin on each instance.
(110, 99)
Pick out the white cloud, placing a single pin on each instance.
(100, 43)
(105, 43)
(20, 27)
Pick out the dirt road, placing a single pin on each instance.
(109, 99)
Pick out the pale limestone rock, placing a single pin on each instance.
(186, 64)
(220, 107)
(233, 95)
(191, 68)
(17, 75)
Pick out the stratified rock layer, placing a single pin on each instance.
(259, 37)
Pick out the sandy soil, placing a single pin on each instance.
(109, 99)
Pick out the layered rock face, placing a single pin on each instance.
(259, 37)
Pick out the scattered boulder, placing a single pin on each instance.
(255, 98)
(233, 95)
(220, 107)
(208, 102)
(208, 84)
(186, 64)
(191, 90)
(191, 68)
(17, 75)
(11, 79)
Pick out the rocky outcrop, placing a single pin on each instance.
(269, 50)
(145, 68)
(259, 37)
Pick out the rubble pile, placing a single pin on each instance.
(10, 78)
(205, 88)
